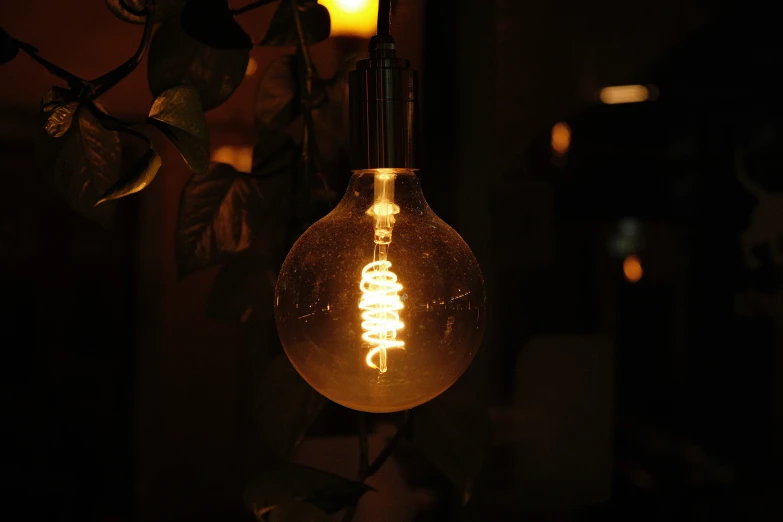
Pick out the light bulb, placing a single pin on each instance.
(380, 305)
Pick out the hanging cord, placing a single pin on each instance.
(384, 17)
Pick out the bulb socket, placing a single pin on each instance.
(383, 96)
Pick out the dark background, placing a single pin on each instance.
(655, 400)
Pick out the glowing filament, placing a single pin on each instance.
(381, 304)
(380, 301)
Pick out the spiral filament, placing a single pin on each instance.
(380, 302)
(381, 305)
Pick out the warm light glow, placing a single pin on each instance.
(252, 67)
(381, 304)
(624, 94)
(561, 138)
(352, 17)
(380, 289)
(632, 268)
(241, 158)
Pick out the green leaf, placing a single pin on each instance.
(163, 9)
(315, 19)
(285, 483)
(136, 179)
(8, 47)
(278, 95)
(82, 164)
(298, 512)
(211, 23)
(177, 59)
(177, 113)
(286, 406)
(218, 217)
(452, 432)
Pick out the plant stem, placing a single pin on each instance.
(73, 81)
(109, 122)
(250, 7)
(309, 143)
(113, 77)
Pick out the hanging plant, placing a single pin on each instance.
(197, 57)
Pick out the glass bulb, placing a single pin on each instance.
(380, 305)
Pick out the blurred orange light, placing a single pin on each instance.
(624, 94)
(632, 268)
(352, 17)
(241, 158)
(252, 67)
(561, 137)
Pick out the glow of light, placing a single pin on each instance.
(252, 67)
(632, 268)
(381, 304)
(624, 94)
(561, 138)
(356, 18)
(241, 158)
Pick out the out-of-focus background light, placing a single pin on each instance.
(252, 67)
(627, 94)
(241, 158)
(356, 18)
(561, 138)
(632, 269)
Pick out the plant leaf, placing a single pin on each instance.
(274, 154)
(211, 23)
(82, 164)
(331, 119)
(286, 406)
(278, 94)
(8, 47)
(297, 512)
(452, 432)
(281, 484)
(177, 113)
(136, 179)
(315, 19)
(177, 59)
(58, 108)
(218, 217)
(163, 9)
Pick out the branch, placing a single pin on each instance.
(113, 77)
(111, 123)
(250, 7)
(309, 143)
(73, 81)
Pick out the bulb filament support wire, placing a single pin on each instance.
(381, 304)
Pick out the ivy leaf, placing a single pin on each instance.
(274, 154)
(452, 432)
(211, 23)
(58, 107)
(177, 113)
(163, 9)
(286, 406)
(218, 217)
(285, 483)
(82, 164)
(298, 512)
(136, 179)
(278, 94)
(8, 47)
(315, 19)
(177, 59)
